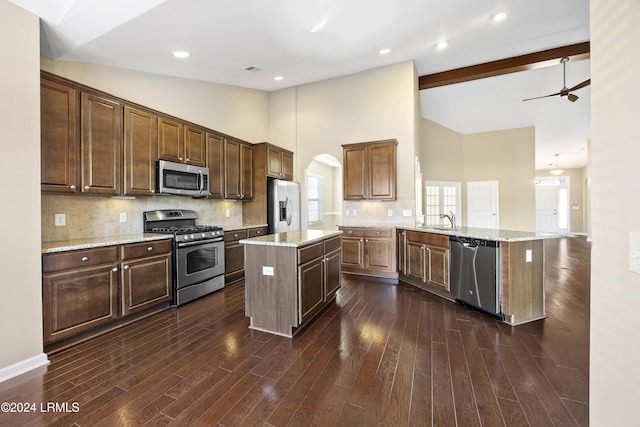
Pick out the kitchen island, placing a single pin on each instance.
(289, 278)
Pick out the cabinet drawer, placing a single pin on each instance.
(310, 252)
(366, 232)
(231, 236)
(431, 239)
(255, 232)
(79, 259)
(331, 244)
(138, 250)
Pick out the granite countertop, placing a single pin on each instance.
(478, 233)
(243, 227)
(97, 242)
(292, 238)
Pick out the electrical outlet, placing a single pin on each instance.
(406, 212)
(123, 217)
(346, 213)
(390, 212)
(60, 220)
(528, 255)
(354, 212)
(227, 213)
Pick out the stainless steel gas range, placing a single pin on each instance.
(198, 252)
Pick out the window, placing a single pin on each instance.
(441, 197)
(314, 196)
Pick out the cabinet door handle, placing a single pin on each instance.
(73, 187)
(86, 187)
(180, 158)
(84, 259)
(126, 267)
(150, 248)
(187, 160)
(114, 269)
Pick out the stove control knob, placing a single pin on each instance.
(202, 235)
(186, 237)
(191, 237)
(213, 234)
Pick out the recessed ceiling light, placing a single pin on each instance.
(500, 16)
(385, 51)
(278, 78)
(181, 54)
(442, 44)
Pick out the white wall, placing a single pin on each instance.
(615, 171)
(373, 105)
(21, 302)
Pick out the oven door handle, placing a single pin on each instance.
(199, 242)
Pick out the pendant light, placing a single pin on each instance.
(555, 170)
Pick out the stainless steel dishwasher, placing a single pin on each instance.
(474, 273)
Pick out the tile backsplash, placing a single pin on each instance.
(88, 216)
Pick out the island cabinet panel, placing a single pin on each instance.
(59, 137)
(140, 151)
(369, 251)
(271, 301)
(369, 170)
(100, 145)
(423, 260)
(522, 281)
(311, 292)
(286, 286)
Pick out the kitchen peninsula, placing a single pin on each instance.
(289, 278)
(429, 258)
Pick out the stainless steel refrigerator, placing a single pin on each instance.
(283, 205)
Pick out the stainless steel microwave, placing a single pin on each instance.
(178, 178)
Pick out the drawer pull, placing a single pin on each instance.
(258, 232)
(150, 248)
(84, 259)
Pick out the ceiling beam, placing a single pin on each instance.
(529, 61)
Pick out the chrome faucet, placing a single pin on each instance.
(451, 217)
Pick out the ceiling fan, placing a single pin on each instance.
(565, 91)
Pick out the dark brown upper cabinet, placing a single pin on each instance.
(59, 137)
(369, 170)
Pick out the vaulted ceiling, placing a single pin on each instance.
(307, 41)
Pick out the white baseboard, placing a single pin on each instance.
(23, 366)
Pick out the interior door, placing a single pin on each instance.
(482, 204)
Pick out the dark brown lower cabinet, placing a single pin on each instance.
(234, 252)
(369, 251)
(423, 260)
(86, 292)
(146, 275)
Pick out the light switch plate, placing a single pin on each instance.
(634, 252)
(267, 271)
(528, 255)
(123, 217)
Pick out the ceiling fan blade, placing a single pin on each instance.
(581, 85)
(545, 96)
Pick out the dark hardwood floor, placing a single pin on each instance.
(381, 355)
